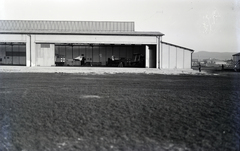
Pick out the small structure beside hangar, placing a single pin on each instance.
(52, 43)
(236, 57)
(236, 61)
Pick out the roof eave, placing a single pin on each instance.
(177, 46)
(87, 33)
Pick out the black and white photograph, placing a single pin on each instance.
(119, 75)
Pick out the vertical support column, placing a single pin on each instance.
(28, 50)
(191, 59)
(160, 50)
(33, 50)
(53, 54)
(159, 53)
(147, 51)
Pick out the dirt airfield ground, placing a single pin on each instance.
(108, 109)
(93, 70)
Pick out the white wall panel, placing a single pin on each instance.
(12, 38)
(180, 58)
(187, 59)
(165, 56)
(95, 39)
(44, 56)
(173, 57)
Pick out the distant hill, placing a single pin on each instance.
(217, 55)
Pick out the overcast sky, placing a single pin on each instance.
(202, 25)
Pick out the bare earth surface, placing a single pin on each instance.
(88, 111)
(94, 70)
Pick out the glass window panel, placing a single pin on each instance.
(15, 54)
(82, 50)
(116, 51)
(95, 54)
(88, 50)
(76, 51)
(108, 50)
(123, 52)
(102, 55)
(62, 51)
(68, 52)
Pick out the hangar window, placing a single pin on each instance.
(45, 45)
(13, 53)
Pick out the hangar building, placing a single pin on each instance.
(35, 43)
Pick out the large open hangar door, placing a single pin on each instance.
(13, 54)
(100, 55)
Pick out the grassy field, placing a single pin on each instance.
(56, 111)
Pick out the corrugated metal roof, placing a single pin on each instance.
(65, 26)
(71, 27)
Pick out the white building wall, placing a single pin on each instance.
(173, 57)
